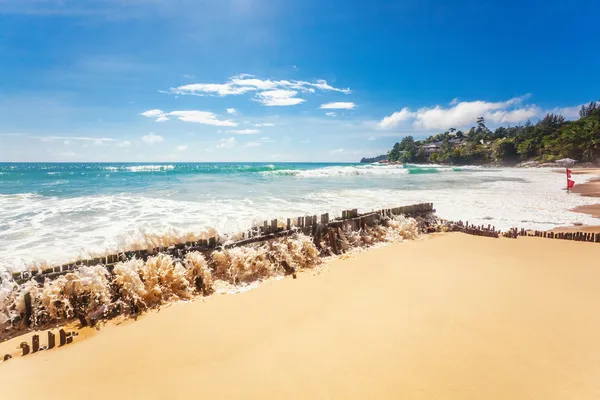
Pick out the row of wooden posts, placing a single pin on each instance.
(577, 236)
(514, 233)
(350, 220)
(64, 338)
(481, 230)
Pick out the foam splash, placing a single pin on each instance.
(134, 285)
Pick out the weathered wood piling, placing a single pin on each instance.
(307, 224)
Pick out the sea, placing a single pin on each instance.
(52, 213)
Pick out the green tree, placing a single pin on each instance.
(505, 150)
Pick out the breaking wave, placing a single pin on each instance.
(93, 292)
(367, 170)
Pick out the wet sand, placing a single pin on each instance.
(588, 189)
(449, 317)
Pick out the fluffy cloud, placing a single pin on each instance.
(153, 113)
(199, 117)
(268, 92)
(331, 114)
(279, 97)
(152, 139)
(244, 131)
(125, 143)
(226, 143)
(252, 144)
(462, 114)
(265, 124)
(340, 105)
(337, 151)
(231, 111)
(183, 147)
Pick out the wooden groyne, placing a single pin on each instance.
(317, 227)
(514, 233)
(64, 338)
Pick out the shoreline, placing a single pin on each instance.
(410, 320)
(590, 188)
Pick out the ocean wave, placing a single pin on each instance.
(366, 170)
(141, 168)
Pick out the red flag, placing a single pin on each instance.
(570, 183)
(568, 173)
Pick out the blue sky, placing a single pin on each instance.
(275, 80)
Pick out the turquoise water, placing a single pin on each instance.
(60, 211)
(77, 179)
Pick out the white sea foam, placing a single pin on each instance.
(374, 170)
(141, 168)
(37, 229)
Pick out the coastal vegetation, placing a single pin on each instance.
(550, 139)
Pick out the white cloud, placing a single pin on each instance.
(244, 131)
(265, 124)
(279, 97)
(97, 142)
(125, 143)
(266, 139)
(463, 114)
(183, 147)
(570, 113)
(153, 113)
(339, 105)
(331, 114)
(67, 142)
(231, 111)
(252, 144)
(199, 117)
(226, 143)
(337, 151)
(269, 92)
(454, 101)
(152, 138)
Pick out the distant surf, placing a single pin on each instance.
(58, 212)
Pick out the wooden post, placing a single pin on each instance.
(62, 337)
(35, 343)
(28, 309)
(25, 348)
(51, 340)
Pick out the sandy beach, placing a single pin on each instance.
(589, 189)
(448, 317)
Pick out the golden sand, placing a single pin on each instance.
(449, 317)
